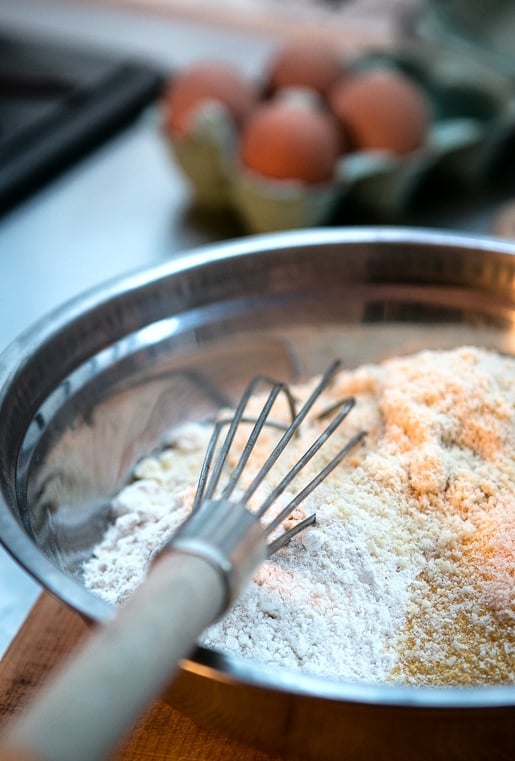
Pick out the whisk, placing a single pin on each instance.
(94, 700)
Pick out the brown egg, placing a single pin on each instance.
(201, 82)
(290, 141)
(381, 109)
(305, 64)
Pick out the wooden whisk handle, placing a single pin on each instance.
(95, 699)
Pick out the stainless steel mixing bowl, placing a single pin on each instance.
(96, 385)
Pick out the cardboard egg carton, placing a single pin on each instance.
(473, 119)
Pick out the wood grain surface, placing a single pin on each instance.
(51, 632)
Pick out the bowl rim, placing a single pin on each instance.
(220, 666)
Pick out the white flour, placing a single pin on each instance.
(406, 576)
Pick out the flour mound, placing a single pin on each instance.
(408, 574)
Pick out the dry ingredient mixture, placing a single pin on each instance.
(408, 575)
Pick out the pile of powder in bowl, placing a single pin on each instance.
(408, 574)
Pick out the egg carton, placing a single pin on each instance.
(473, 120)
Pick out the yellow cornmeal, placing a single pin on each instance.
(408, 576)
(452, 425)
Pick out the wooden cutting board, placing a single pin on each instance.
(50, 633)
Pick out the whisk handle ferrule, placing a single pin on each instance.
(228, 537)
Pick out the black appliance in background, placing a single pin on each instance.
(57, 103)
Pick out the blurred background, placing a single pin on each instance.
(90, 184)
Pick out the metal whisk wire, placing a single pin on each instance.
(205, 488)
(208, 481)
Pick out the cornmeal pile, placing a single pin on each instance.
(408, 574)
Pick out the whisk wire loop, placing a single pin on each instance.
(217, 454)
(306, 457)
(287, 536)
(301, 464)
(205, 488)
(253, 437)
(306, 491)
(290, 432)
